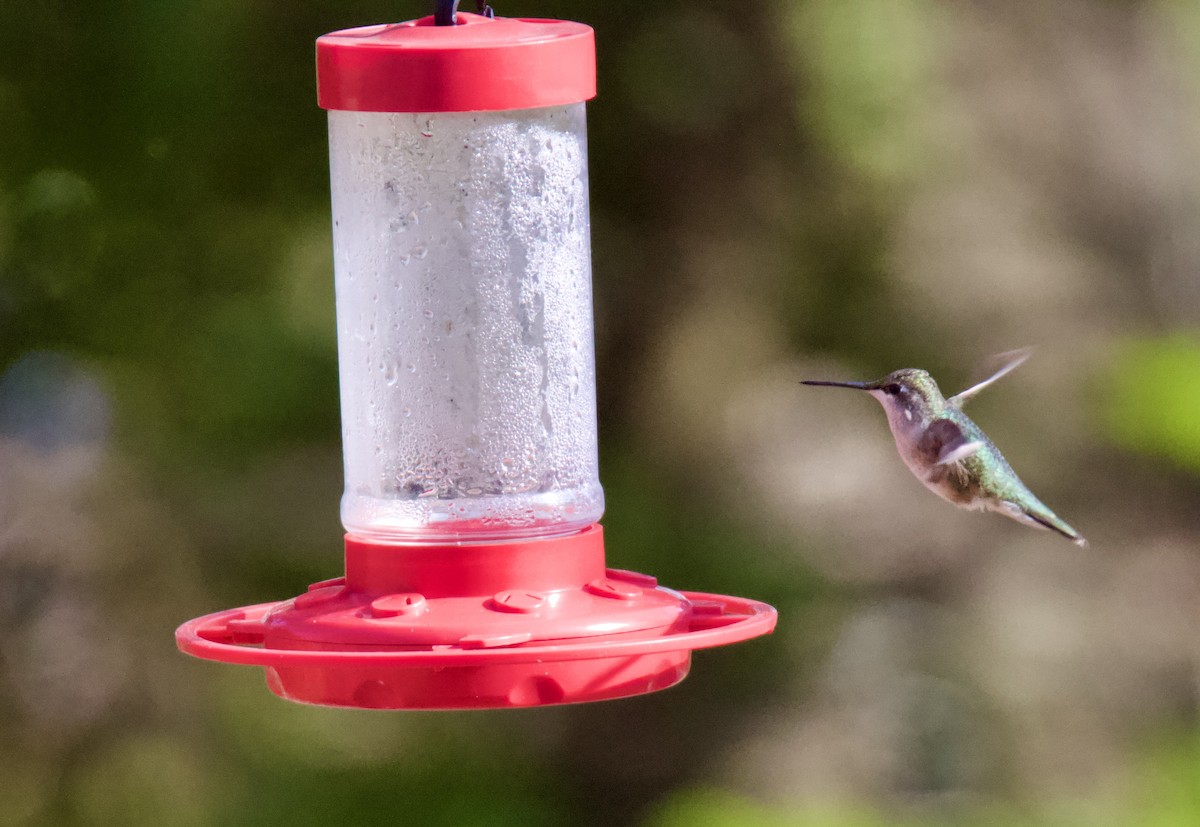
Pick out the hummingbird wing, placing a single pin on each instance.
(944, 442)
(1011, 360)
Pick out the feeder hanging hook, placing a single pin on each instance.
(445, 12)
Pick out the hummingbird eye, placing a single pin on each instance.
(893, 389)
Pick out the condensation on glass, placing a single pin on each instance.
(463, 275)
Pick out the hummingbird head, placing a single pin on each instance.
(910, 397)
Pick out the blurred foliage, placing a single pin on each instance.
(1166, 793)
(779, 190)
(1154, 397)
(871, 68)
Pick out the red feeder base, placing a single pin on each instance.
(491, 625)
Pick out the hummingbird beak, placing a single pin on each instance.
(862, 386)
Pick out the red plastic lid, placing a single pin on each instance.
(481, 63)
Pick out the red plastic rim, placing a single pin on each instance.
(448, 677)
(717, 620)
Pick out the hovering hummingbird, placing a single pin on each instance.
(951, 454)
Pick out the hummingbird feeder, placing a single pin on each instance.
(474, 563)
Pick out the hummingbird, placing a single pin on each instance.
(949, 453)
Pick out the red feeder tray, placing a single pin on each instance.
(491, 625)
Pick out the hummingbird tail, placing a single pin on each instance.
(1053, 523)
(1039, 516)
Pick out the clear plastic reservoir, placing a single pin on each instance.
(463, 274)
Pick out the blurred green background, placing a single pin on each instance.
(780, 190)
